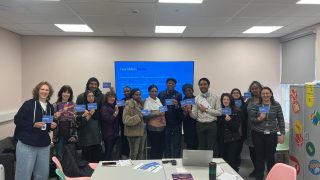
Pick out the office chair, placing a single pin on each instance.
(282, 171)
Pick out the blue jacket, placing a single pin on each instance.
(24, 131)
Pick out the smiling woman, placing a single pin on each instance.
(33, 123)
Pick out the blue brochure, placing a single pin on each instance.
(145, 112)
(120, 103)
(163, 109)
(183, 103)
(92, 106)
(80, 108)
(247, 95)
(47, 119)
(106, 85)
(169, 102)
(238, 103)
(264, 109)
(147, 166)
(191, 101)
(226, 111)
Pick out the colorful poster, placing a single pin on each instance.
(295, 105)
(314, 167)
(295, 163)
(315, 118)
(309, 95)
(310, 149)
(298, 133)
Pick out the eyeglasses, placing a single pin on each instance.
(235, 92)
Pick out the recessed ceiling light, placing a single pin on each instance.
(74, 27)
(308, 2)
(170, 29)
(261, 29)
(181, 1)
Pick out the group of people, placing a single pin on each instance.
(206, 125)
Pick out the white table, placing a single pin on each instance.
(198, 173)
(125, 173)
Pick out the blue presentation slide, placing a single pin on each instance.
(141, 74)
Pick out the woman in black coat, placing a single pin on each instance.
(229, 136)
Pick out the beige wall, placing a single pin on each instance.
(10, 78)
(227, 62)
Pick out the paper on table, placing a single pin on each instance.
(181, 170)
(219, 170)
(127, 162)
(227, 176)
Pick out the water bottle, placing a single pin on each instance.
(212, 171)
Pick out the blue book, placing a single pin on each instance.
(264, 109)
(226, 111)
(238, 103)
(106, 85)
(80, 108)
(92, 106)
(120, 103)
(145, 112)
(191, 101)
(163, 109)
(183, 103)
(169, 102)
(247, 95)
(47, 118)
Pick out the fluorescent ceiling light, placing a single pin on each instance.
(38, 0)
(308, 2)
(261, 29)
(74, 27)
(170, 29)
(181, 1)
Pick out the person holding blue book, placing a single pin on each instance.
(156, 122)
(134, 126)
(66, 131)
(267, 119)
(33, 121)
(228, 128)
(89, 129)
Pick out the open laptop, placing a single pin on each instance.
(196, 157)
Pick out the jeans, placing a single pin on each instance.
(173, 141)
(136, 144)
(32, 160)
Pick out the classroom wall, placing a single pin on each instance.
(227, 62)
(10, 78)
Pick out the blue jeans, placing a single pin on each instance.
(32, 160)
(173, 141)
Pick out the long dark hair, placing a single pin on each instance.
(271, 98)
(232, 104)
(65, 88)
(255, 83)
